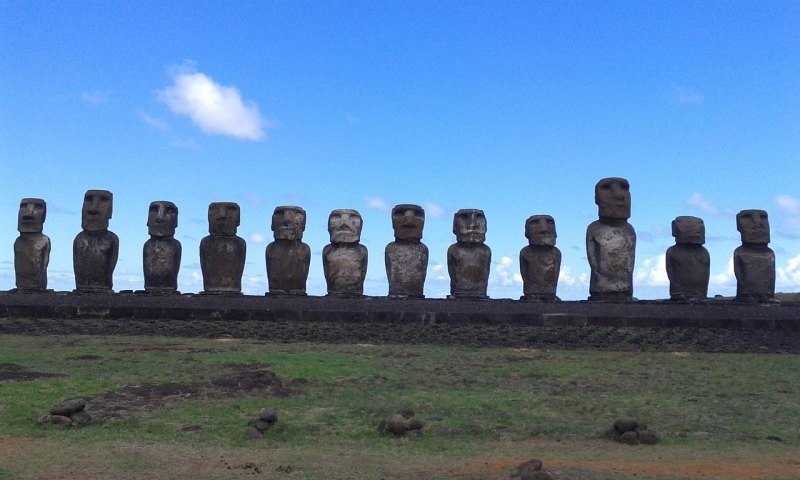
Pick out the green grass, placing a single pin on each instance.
(494, 405)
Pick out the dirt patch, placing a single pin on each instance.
(134, 401)
(85, 357)
(11, 372)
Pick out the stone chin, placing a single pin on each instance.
(617, 212)
(408, 233)
(94, 225)
(288, 233)
(345, 236)
(161, 231)
(30, 226)
(544, 240)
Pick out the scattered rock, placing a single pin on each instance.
(268, 415)
(631, 432)
(531, 470)
(191, 429)
(626, 425)
(648, 438)
(629, 438)
(60, 420)
(68, 407)
(402, 423)
(81, 418)
(397, 424)
(259, 425)
(252, 432)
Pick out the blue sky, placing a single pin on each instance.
(517, 108)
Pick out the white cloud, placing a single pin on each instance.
(566, 278)
(214, 108)
(789, 276)
(726, 278)
(698, 202)
(96, 97)
(257, 238)
(439, 272)
(687, 96)
(652, 272)
(506, 274)
(434, 211)
(377, 203)
(152, 122)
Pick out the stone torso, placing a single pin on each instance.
(754, 267)
(287, 266)
(611, 252)
(406, 268)
(31, 256)
(162, 261)
(222, 260)
(94, 259)
(345, 266)
(539, 267)
(468, 265)
(688, 269)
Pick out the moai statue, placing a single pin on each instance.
(754, 261)
(688, 262)
(162, 253)
(288, 258)
(611, 243)
(222, 253)
(540, 261)
(344, 260)
(95, 249)
(407, 257)
(32, 247)
(469, 259)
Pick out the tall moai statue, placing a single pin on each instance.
(407, 257)
(32, 247)
(469, 259)
(288, 258)
(754, 261)
(540, 261)
(611, 243)
(222, 253)
(161, 254)
(96, 248)
(688, 262)
(344, 260)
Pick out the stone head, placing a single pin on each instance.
(32, 212)
(162, 219)
(97, 208)
(613, 198)
(541, 230)
(408, 221)
(344, 226)
(753, 226)
(689, 230)
(469, 225)
(288, 222)
(223, 218)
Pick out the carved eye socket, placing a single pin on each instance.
(550, 221)
(154, 209)
(480, 216)
(171, 211)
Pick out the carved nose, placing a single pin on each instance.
(160, 214)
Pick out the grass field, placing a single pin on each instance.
(177, 408)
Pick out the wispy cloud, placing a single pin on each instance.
(789, 276)
(377, 203)
(686, 96)
(96, 97)
(505, 273)
(216, 109)
(789, 209)
(652, 272)
(152, 122)
(257, 238)
(434, 211)
(565, 277)
(726, 278)
(697, 201)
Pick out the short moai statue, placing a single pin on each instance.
(754, 261)
(32, 247)
(407, 257)
(688, 262)
(540, 261)
(344, 260)
(469, 259)
(222, 253)
(288, 258)
(161, 254)
(95, 249)
(611, 243)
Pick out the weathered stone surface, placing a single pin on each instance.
(648, 437)
(531, 470)
(68, 407)
(288, 258)
(252, 432)
(95, 249)
(222, 253)
(262, 425)
(540, 261)
(268, 415)
(469, 259)
(397, 424)
(754, 261)
(162, 252)
(407, 257)
(32, 247)
(626, 425)
(344, 260)
(688, 262)
(81, 418)
(611, 243)
(629, 438)
(60, 420)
